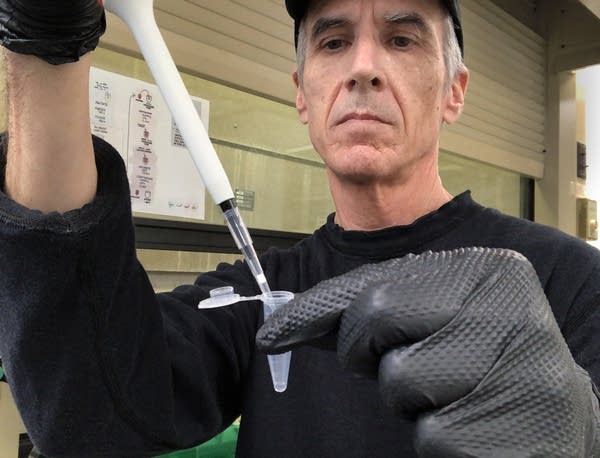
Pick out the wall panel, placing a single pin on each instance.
(506, 100)
(249, 44)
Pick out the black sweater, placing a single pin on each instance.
(101, 366)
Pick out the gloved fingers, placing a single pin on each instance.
(449, 363)
(517, 411)
(497, 381)
(390, 315)
(297, 323)
(419, 378)
(314, 314)
(435, 438)
(494, 418)
(411, 308)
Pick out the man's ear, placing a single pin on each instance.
(456, 97)
(300, 100)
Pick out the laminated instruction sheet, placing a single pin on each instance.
(133, 117)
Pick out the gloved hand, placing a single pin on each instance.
(463, 340)
(57, 31)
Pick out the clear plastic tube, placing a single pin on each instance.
(279, 365)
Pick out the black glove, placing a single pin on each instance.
(57, 31)
(463, 340)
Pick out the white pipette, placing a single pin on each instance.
(138, 15)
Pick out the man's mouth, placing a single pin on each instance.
(360, 117)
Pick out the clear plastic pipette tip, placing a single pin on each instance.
(279, 365)
(242, 239)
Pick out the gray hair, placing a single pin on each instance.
(453, 59)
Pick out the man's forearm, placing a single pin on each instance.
(51, 163)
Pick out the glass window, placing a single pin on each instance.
(265, 150)
(491, 186)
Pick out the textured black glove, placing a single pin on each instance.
(465, 341)
(57, 31)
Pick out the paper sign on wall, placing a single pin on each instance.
(132, 116)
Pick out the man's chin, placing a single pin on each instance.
(361, 176)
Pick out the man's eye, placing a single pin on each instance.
(401, 42)
(333, 44)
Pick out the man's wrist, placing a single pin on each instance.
(50, 161)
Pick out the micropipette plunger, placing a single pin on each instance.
(138, 15)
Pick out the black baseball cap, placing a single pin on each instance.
(297, 10)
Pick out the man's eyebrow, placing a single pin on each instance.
(325, 23)
(410, 18)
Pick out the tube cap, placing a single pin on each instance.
(297, 10)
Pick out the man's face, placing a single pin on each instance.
(373, 89)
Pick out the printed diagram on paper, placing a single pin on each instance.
(132, 116)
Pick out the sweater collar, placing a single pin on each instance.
(399, 240)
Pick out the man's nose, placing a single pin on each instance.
(365, 70)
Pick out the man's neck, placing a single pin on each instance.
(373, 206)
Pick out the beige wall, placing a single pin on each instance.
(290, 194)
(580, 122)
(11, 424)
(588, 118)
(168, 269)
(569, 28)
(274, 158)
(490, 185)
(555, 195)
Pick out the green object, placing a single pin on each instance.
(220, 446)
(1, 372)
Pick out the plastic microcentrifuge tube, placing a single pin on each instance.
(278, 364)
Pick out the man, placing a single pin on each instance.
(461, 354)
